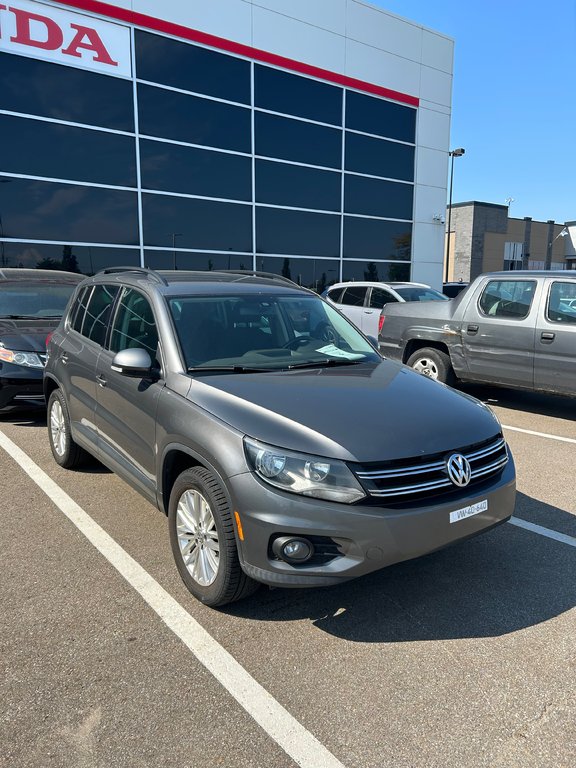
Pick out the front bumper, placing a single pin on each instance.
(367, 538)
(20, 386)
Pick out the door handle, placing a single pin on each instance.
(547, 336)
(64, 358)
(472, 329)
(101, 380)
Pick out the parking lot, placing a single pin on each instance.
(462, 658)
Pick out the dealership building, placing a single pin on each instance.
(307, 138)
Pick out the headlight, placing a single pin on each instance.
(301, 473)
(26, 359)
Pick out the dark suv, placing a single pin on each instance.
(280, 444)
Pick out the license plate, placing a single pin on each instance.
(473, 509)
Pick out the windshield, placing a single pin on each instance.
(419, 293)
(24, 299)
(265, 332)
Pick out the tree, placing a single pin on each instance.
(69, 260)
(286, 269)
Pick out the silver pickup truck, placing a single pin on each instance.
(515, 329)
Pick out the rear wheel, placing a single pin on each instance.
(433, 363)
(203, 541)
(65, 451)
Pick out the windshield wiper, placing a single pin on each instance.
(228, 368)
(323, 363)
(18, 317)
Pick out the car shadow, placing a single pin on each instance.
(556, 406)
(501, 582)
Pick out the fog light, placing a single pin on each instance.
(293, 549)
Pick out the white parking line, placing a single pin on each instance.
(298, 743)
(540, 434)
(539, 529)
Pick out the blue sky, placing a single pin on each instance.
(513, 100)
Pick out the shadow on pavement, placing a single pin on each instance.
(556, 406)
(497, 583)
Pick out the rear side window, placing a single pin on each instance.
(507, 298)
(379, 297)
(91, 316)
(354, 296)
(561, 306)
(335, 294)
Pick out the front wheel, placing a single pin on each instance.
(65, 451)
(203, 541)
(433, 363)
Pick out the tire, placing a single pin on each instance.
(433, 363)
(203, 540)
(65, 451)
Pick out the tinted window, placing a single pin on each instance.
(79, 309)
(193, 260)
(375, 197)
(40, 88)
(35, 298)
(295, 95)
(354, 296)
(418, 293)
(379, 297)
(187, 66)
(173, 115)
(97, 314)
(383, 118)
(311, 273)
(61, 151)
(375, 271)
(86, 259)
(296, 232)
(198, 224)
(507, 298)
(295, 140)
(134, 325)
(335, 294)
(297, 186)
(378, 157)
(561, 306)
(174, 168)
(374, 239)
(42, 210)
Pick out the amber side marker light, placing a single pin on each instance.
(239, 525)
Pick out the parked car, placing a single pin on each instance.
(361, 302)
(31, 304)
(453, 289)
(513, 329)
(282, 447)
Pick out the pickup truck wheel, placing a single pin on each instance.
(433, 363)
(65, 451)
(203, 541)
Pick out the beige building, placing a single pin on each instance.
(483, 238)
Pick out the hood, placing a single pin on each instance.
(362, 413)
(26, 335)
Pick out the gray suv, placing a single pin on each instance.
(279, 443)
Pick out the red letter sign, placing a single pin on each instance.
(94, 44)
(54, 37)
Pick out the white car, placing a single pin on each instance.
(362, 302)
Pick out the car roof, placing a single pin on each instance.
(40, 275)
(377, 284)
(511, 275)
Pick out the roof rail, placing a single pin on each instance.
(257, 273)
(141, 270)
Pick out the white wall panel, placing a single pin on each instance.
(437, 51)
(326, 14)
(297, 40)
(436, 86)
(432, 167)
(231, 19)
(433, 130)
(429, 272)
(381, 30)
(428, 202)
(381, 68)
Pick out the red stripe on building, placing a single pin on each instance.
(177, 30)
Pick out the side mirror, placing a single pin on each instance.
(135, 363)
(374, 341)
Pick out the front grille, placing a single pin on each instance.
(402, 481)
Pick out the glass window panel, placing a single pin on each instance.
(297, 232)
(60, 151)
(196, 223)
(205, 262)
(79, 310)
(297, 186)
(174, 168)
(383, 118)
(65, 93)
(192, 68)
(315, 274)
(43, 210)
(86, 259)
(354, 296)
(134, 325)
(374, 239)
(296, 95)
(375, 197)
(379, 297)
(295, 140)
(192, 119)
(379, 157)
(507, 298)
(375, 271)
(561, 305)
(95, 322)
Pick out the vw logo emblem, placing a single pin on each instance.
(459, 470)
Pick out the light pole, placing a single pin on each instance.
(452, 154)
(174, 236)
(563, 232)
